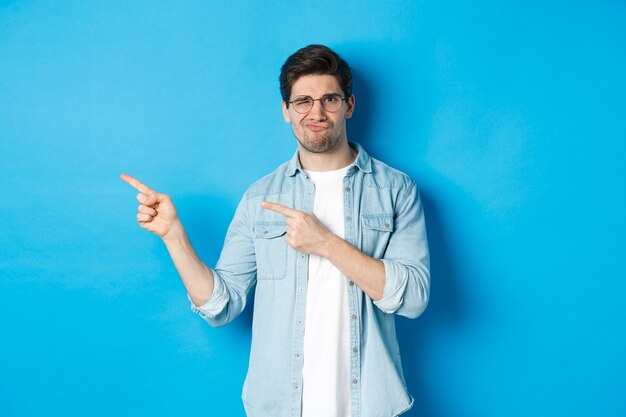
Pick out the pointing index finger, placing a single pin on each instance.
(136, 184)
(279, 208)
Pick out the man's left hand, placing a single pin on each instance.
(305, 232)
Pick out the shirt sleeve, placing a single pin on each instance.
(406, 260)
(234, 274)
(214, 305)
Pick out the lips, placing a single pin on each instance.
(316, 127)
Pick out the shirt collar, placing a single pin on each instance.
(363, 161)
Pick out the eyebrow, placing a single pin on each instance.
(324, 94)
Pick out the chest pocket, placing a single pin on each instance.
(377, 229)
(271, 249)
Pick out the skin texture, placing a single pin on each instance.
(322, 146)
(321, 135)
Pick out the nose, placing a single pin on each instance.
(317, 112)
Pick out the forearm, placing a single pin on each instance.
(366, 272)
(306, 233)
(196, 276)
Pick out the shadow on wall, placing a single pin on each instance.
(358, 124)
(446, 311)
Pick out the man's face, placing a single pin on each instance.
(318, 130)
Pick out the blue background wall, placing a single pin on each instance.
(509, 115)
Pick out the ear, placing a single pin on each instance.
(350, 102)
(286, 112)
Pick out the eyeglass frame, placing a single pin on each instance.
(313, 100)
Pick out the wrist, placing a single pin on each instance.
(175, 234)
(331, 246)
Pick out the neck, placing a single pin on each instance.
(338, 158)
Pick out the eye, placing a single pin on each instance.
(331, 98)
(298, 101)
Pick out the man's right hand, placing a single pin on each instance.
(156, 212)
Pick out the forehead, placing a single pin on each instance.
(315, 85)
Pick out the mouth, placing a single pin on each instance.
(316, 127)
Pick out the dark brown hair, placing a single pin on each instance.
(314, 59)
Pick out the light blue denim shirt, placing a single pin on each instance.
(384, 219)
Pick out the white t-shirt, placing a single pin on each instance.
(326, 372)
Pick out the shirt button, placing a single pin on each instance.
(295, 386)
(347, 188)
(354, 381)
(354, 317)
(299, 321)
(387, 225)
(297, 355)
(300, 289)
(355, 349)
(348, 218)
(351, 284)
(301, 256)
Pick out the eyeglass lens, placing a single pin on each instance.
(330, 103)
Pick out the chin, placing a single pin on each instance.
(319, 145)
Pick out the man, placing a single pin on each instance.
(333, 243)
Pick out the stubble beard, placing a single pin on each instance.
(320, 143)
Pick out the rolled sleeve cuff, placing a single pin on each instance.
(396, 278)
(216, 303)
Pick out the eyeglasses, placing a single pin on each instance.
(330, 103)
